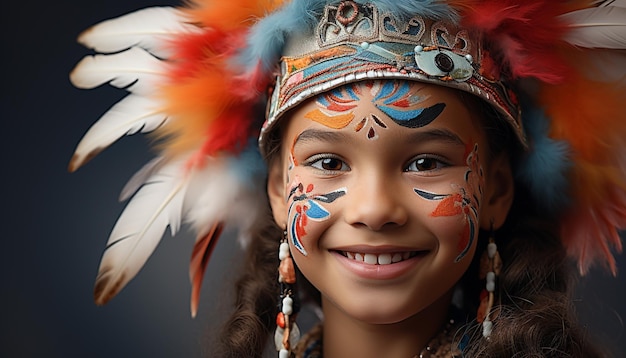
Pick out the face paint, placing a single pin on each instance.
(395, 99)
(466, 202)
(306, 205)
(377, 215)
(337, 105)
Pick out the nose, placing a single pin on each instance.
(375, 203)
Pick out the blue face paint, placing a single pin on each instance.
(414, 118)
(306, 207)
(397, 101)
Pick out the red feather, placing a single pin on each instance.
(200, 256)
(523, 36)
(230, 131)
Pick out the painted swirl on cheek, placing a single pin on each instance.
(307, 206)
(465, 202)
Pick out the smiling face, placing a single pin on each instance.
(382, 191)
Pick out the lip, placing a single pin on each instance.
(377, 272)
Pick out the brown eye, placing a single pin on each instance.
(424, 164)
(330, 164)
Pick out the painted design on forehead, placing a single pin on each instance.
(466, 201)
(398, 101)
(336, 111)
(305, 206)
(336, 108)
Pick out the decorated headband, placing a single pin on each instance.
(201, 77)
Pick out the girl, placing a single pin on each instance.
(424, 181)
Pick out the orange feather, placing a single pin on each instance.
(595, 129)
(201, 90)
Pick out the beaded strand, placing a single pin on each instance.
(490, 267)
(287, 332)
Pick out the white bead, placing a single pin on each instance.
(491, 250)
(491, 281)
(419, 48)
(365, 45)
(278, 338)
(294, 335)
(469, 58)
(287, 305)
(284, 251)
(283, 353)
(487, 327)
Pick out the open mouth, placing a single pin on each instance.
(380, 259)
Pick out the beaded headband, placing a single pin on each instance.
(197, 78)
(355, 42)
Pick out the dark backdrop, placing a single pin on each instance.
(55, 225)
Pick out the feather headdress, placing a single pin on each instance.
(178, 67)
(196, 77)
(562, 45)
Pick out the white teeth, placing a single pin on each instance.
(378, 259)
(370, 259)
(384, 259)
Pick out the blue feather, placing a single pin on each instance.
(545, 168)
(249, 165)
(267, 37)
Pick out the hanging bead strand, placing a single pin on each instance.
(287, 332)
(490, 267)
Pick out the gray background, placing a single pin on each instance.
(55, 225)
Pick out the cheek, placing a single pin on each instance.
(452, 214)
(309, 211)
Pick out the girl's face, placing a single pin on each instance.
(382, 187)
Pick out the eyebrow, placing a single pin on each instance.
(320, 135)
(443, 135)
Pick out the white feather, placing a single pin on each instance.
(157, 205)
(134, 69)
(149, 29)
(618, 3)
(597, 27)
(140, 177)
(219, 193)
(131, 115)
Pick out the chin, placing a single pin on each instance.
(371, 309)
